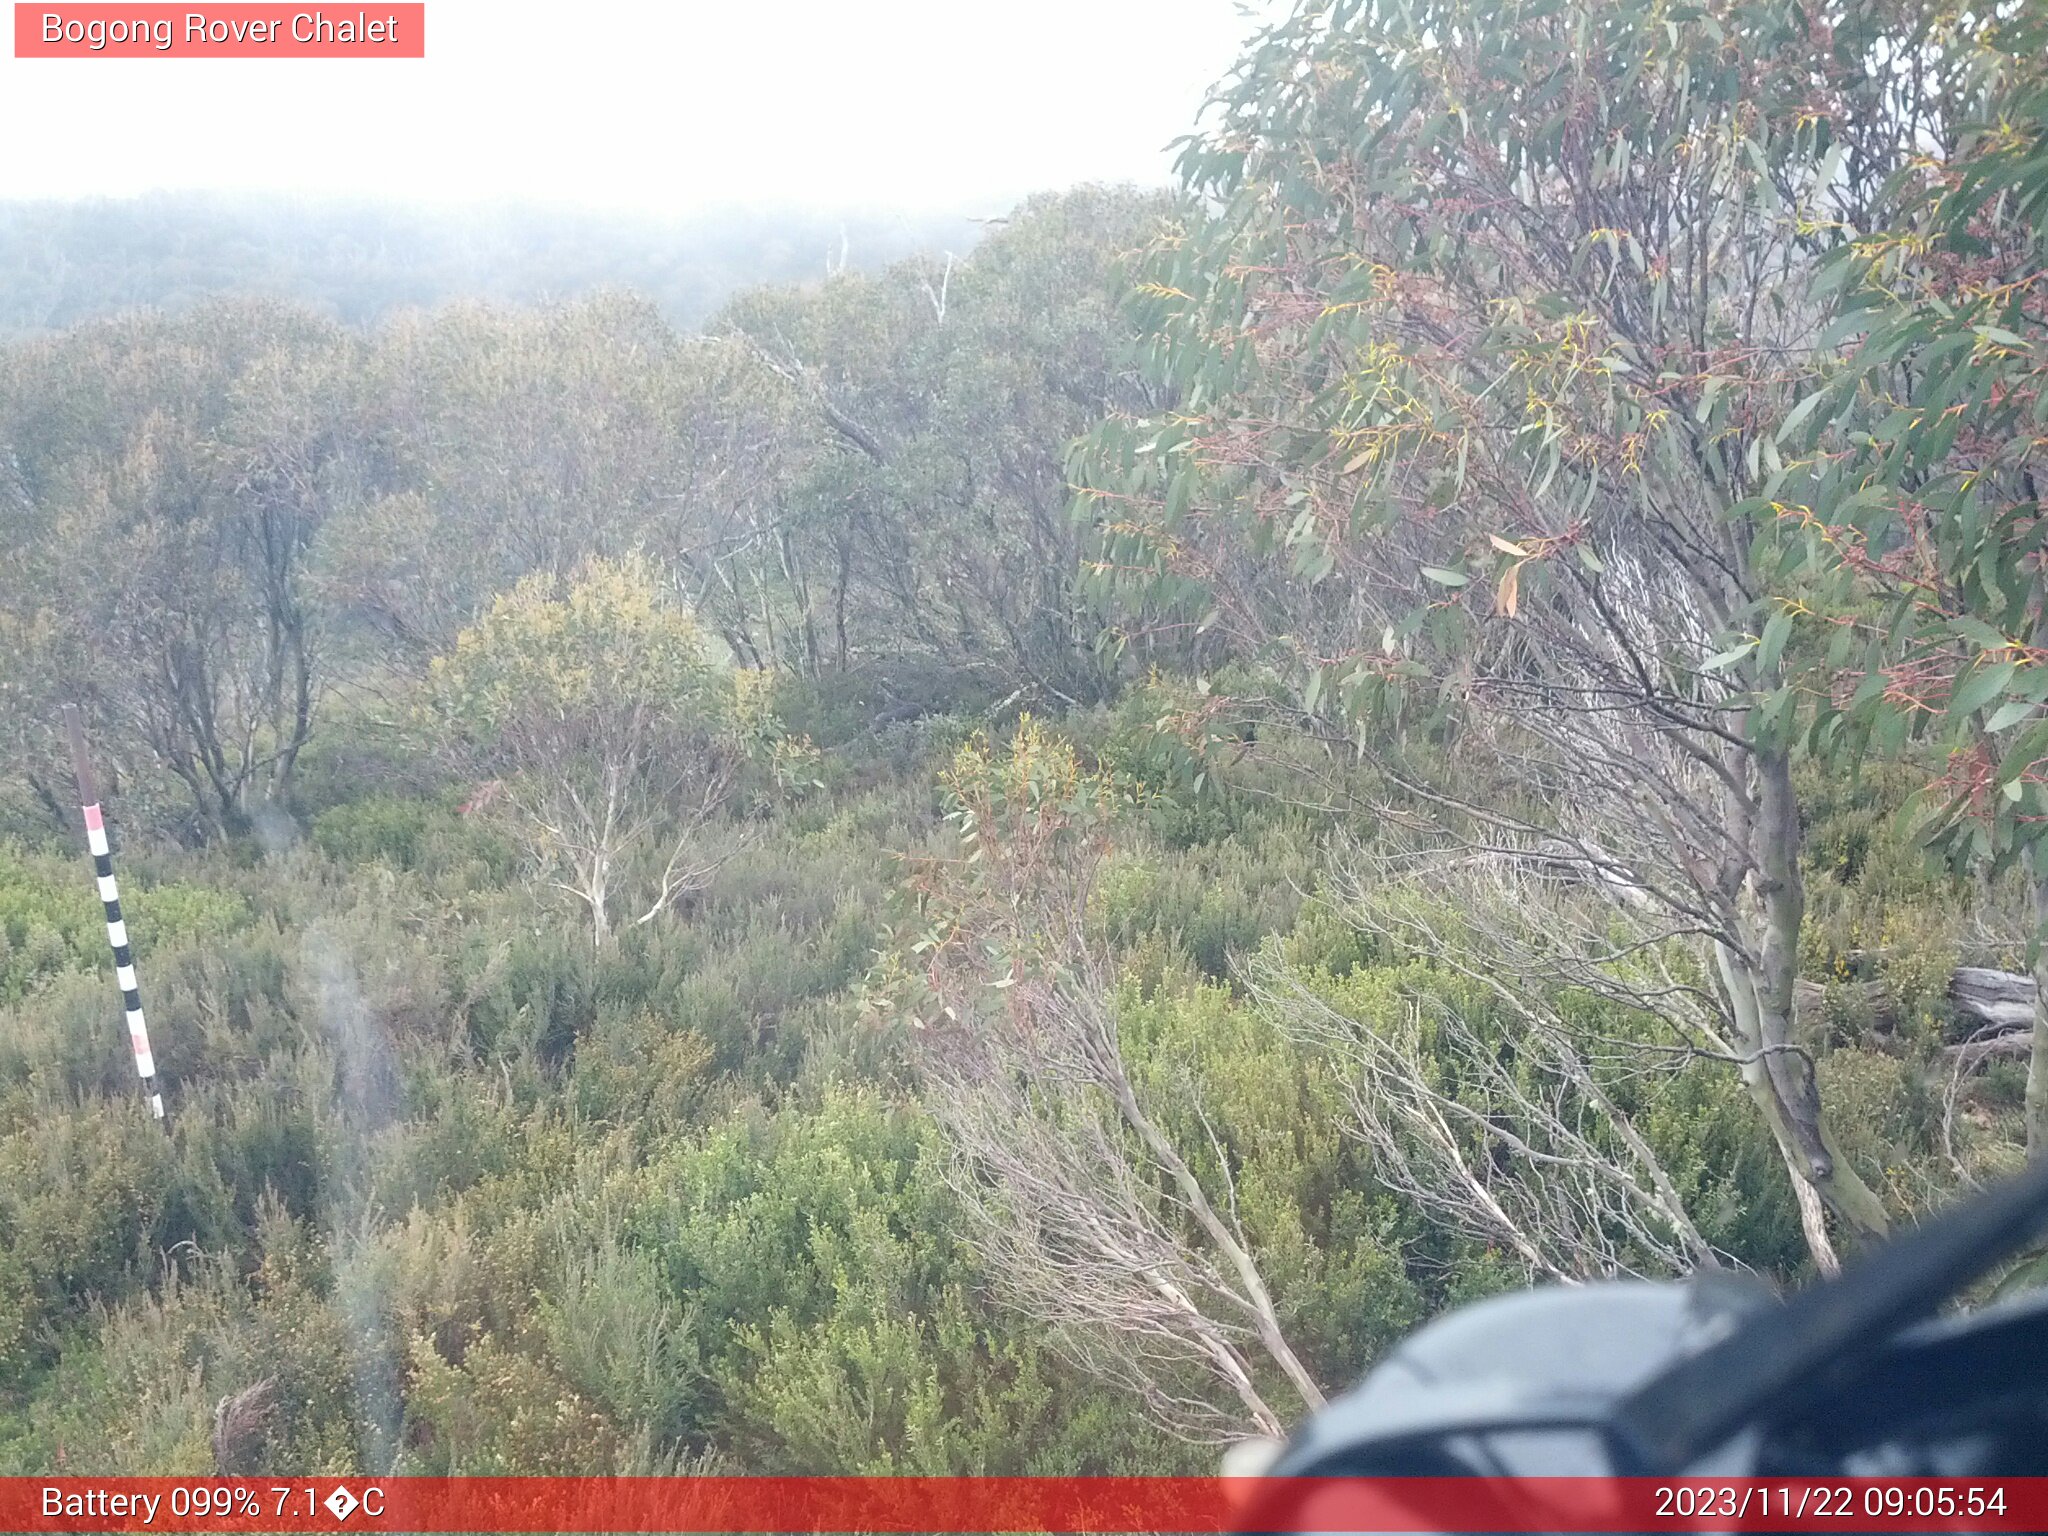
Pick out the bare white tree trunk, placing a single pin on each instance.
(597, 892)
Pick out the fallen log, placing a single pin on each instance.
(1972, 1054)
(1988, 1003)
(1983, 1004)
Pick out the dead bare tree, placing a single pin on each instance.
(1091, 1219)
(1504, 1133)
(1563, 914)
(1095, 1224)
(595, 838)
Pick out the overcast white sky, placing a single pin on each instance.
(658, 106)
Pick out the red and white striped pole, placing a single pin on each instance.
(117, 930)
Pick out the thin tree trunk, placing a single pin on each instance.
(1784, 899)
(1775, 1070)
(599, 898)
(800, 589)
(839, 597)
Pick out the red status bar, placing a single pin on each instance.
(723, 1505)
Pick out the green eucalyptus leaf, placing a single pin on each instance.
(1982, 686)
(1729, 657)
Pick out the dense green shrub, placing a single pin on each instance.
(478, 1197)
(51, 921)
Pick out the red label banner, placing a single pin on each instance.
(721, 1505)
(231, 31)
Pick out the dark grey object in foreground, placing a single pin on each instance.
(1713, 1376)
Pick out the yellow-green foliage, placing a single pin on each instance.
(1880, 909)
(51, 920)
(501, 1413)
(609, 643)
(1264, 1120)
(1020, 800)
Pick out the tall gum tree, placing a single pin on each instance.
(167, 482)
(1915, 475)
(1481, 339)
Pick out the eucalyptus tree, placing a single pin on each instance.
(518, 441)
(922, 518)
(169, 481)
(1481, 336)
(1918, 475)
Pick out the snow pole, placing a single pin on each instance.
(110, 896)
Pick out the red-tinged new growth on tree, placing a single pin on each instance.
(1493, 347)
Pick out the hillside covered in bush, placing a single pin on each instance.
(1018, 864)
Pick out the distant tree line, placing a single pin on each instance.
(63, 263)
(219, 516)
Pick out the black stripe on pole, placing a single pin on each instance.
(110, 898)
